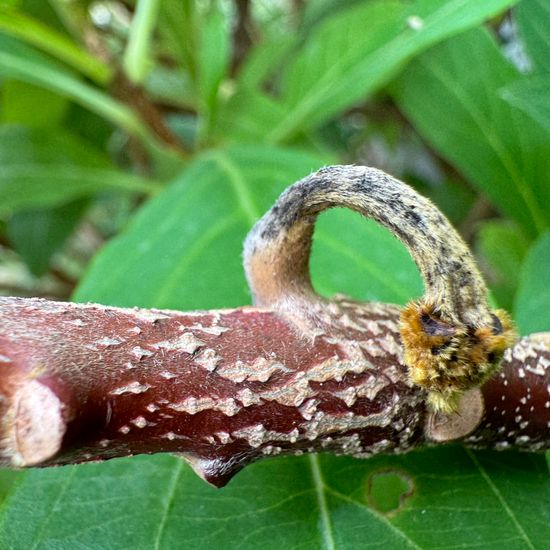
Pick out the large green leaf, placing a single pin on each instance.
(533, 20)
(453, 499)
(41, 168)
(531, 95)
(453, 101)
(344, 59)
(532, 310)
(184, 248)
(356, 51)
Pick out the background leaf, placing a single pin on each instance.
(42, 168)
(163, 254)
(532, 311)
(60, 46)
(458, 499)
(458, 110)
(502, 246)
(340, 63)
(533, 19)
(531, 95)
(30, 105)
(37, 234)
(21, 62)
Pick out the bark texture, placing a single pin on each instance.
(224, 388)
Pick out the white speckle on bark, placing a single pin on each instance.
(260, 370)
(272, 450)
(132, 387)
(247, 397)
(107, 341)
(308, 408)
(186, 342)
(224, 438)
(208, 359)
(214, 330)
(538, 369)
(292, 394)
(168, 375)
(140, 353)
(139, 422)
(151, 316)
(124, 429)
(254, 435)
(194, 405)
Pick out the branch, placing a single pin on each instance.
(299, 374)
(224, 388)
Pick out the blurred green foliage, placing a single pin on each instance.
(139, 141)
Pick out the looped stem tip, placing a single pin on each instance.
(452, 340)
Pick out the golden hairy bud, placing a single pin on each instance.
(448, 359)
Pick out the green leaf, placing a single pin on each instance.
(59, 46)
(533, 20)
(452, 100)
(21, 62)
(8, 481)
(503, 246)
(174, 257)
(29, 105)
(213, 62)
(37, 234)
(179, 26)
(361, 259)
(452, 497)
(531, 95)
(195, 226)
(357, 51)
(532, 311)
(40, 168)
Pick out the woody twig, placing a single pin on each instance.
(295, 374)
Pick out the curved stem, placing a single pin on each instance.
(278, 247)
(452, 340)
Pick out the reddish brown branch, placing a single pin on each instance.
(224, 388)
